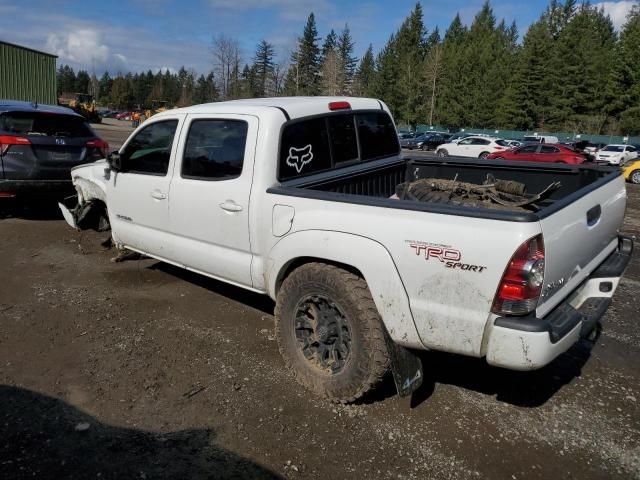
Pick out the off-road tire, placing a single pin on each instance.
(443, 153)
(635, 177)
(368, 360)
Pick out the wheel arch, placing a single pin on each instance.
(357, 254)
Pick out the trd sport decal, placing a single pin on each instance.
(299, 157)
(450, 257)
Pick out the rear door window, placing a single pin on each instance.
(214, 149)
(45, 124)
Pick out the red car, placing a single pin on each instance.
(540, 152)
(123, 116)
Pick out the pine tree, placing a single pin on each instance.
(347, 61)
(450, 108)
(304, 73)
(66, 80)
(82, 82)
(104, 88)
(330, 43)
(582, 61)
(385, 85)
(365, 76)
(263, 69)
(625, 97)
(410, 42)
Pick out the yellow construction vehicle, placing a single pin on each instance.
(157, 106)
(81, 103)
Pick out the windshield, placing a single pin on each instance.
(46, 124)
(613, 148)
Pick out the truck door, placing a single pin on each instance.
(210, 195)
(137, 196)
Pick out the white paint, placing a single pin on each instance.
(423, 303)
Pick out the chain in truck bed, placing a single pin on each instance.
(493, 193)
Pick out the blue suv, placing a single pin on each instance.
(39, 144)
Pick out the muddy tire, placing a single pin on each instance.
(330, 333)
(635, 177)
(443, 153)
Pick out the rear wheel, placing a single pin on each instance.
(635, 177)
(484, 155)
(330, 333)
(443, 153)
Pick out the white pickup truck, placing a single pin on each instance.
(297, 198)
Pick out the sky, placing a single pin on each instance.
(138, 35)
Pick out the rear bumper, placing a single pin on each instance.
(528, 343)
(35, 187)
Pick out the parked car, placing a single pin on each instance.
(540, 152)
(360, 278)
(632, 171)
(405, 139)
(616, 154)
(426, 141)
(478, 147)
(123, 116)
(39, 144)
(540, 139)
(592, 148)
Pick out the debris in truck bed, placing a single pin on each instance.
(493, 193)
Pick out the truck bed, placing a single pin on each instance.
(375, 182)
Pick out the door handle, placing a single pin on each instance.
(158, 195)
(231, 206)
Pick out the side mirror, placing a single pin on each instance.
(114, 161)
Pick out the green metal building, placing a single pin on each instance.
(27, 74)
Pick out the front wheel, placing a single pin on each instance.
(330, 333)
(443, 153)
(635, 177)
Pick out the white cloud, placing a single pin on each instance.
(82, 46)
(618, 11)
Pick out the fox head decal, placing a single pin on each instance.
(299, 157)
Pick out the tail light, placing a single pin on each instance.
(522, 281)
(7, 140)
(498, 148)
(100, 145)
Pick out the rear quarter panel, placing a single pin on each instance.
(433, 255)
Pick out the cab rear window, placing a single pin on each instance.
(48, 124)
(321, 143)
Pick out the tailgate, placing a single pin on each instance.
(578, 237)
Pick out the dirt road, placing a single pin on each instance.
(140, 370)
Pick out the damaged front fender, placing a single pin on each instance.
(88, 209)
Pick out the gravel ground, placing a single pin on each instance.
(141, 370)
